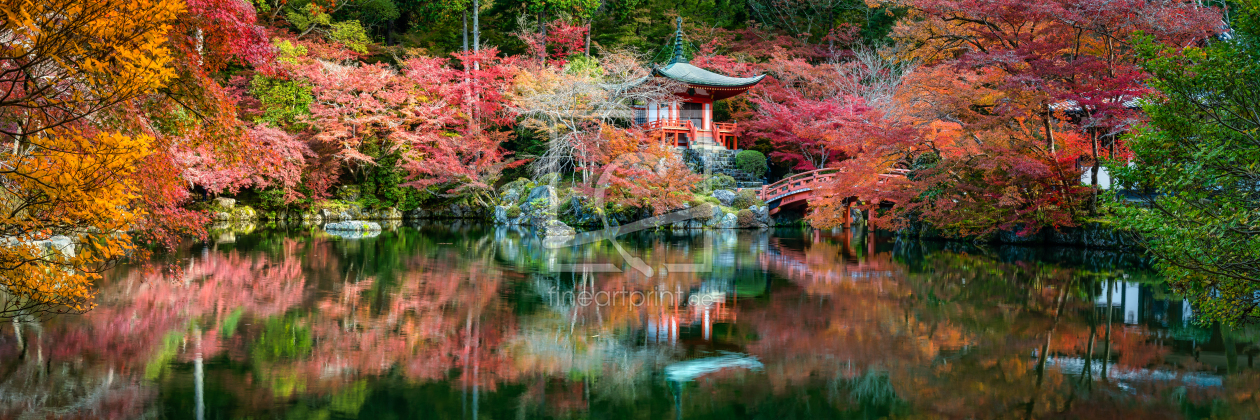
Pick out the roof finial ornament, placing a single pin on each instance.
(679, 55)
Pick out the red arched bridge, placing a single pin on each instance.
(797, 190)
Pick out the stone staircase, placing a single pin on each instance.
(718, 160)
(705, 142)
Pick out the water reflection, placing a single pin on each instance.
(465, 321)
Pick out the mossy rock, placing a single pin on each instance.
(745, 199)
(702, 212)
(718, 182)
(513, 212)
(335, 206)
(243, 213)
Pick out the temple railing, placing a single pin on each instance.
(722, 133)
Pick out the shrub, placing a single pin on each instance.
(752, 162)
(702, 212)
(745, 199)
(513, 212)
(745, 218)
(271, 198)
(719, 182)
(351, 34)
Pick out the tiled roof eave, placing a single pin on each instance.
(715, 81)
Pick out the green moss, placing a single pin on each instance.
(243, 212)
(745, 199)
(718, 182)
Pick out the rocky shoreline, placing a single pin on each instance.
(542, 209)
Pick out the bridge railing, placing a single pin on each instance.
(807, 181)
(798, 182)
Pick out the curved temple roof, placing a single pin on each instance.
(692, 75)
(679, 69)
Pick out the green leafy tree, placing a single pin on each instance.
(752, 162)
(382, 185)
(1198, 161)
(283, 101)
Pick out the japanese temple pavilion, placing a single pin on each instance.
(689, 122)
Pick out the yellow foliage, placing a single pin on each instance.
(111, 49)
(66, 156)
(65, 213)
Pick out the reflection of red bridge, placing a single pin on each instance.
(794, 269)
(797, 190)
(827, 264)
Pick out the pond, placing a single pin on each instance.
(459, 321)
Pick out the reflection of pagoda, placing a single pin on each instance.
(689, 123)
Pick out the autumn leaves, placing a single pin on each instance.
(70, 72)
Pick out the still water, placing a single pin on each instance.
(476, 322)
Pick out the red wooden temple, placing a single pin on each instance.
(689, 121)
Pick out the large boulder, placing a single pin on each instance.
(512, 192)
(224, 203)
(352, 226)
(556, 228)
(729, 221)
(541, 196)
(389, 213)
(725, 196)
(763, 214)
(715, 219)
(500, 215)
(244, 213)
(58, 244)
(419, 214)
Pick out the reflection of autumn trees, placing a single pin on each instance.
(306, 326)
(93, 365)
(959, 336)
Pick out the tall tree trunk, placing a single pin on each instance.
(1049, 129)
(467, 80)
(587, 51)
(542, 23)
(1093, 176)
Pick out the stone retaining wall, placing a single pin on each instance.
(1089, 235)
